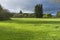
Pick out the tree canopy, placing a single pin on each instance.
(3, 14)
(39, 11)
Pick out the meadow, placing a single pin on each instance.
(30, 29)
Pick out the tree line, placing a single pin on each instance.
(38, 13)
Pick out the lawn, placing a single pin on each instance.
(30, 29)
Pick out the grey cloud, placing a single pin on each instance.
(28, 5)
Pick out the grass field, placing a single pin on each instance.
(30, 29)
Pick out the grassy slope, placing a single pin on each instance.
(30, 29)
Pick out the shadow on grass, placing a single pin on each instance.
(34, 22)
(31, 22)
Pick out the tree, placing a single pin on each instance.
(3, 14)
(47, 15)
(1, 8)
(20, 12)
(39, 11)
(18, 15)
(58, 14)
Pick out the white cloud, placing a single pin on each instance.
(16, 5)
(26, 5)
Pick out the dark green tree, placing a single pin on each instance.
(21, 12)
(3, 14)
(39, 11)
(1, 8)
(58, 14)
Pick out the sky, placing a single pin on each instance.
(49, 6)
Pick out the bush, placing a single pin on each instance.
(4, 16)
(47, 16)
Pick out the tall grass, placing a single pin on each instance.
(30, 29)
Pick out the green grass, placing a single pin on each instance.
(30, 29)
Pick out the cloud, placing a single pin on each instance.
(57, 1)
(16, 5)
(28, 5)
